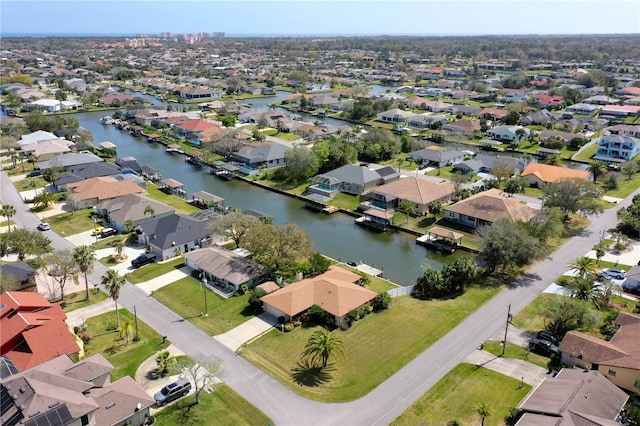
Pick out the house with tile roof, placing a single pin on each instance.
(487, 207)
(420, 192)
(538, 174)
(395, 116)
(617, 359)
(46, 150)
(33, 330)
(334, 291)
(548, 101)
(90, 192)
(192, 129)
(572, 398)
(222, 267)
(352, 179)
(61, 392)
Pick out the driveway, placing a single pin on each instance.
(515, 368)
(248, 331)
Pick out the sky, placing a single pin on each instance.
(301, 17)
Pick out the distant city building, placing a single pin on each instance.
(165, 34)
(218, 35)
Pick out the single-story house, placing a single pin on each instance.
(61, 392)
(507, 133)
(425, 121)
(484, 163)
(70, 160)
(582, 108)
(541, 117)
(487, 207)
(573, 397)
(89, 192)
(250, 158)
(35, 137)
(173, 234)
(21, 273)
(620, 110)
(352, 179)
(46, 150)
(493, 114)
(334, 291)
(395, 116)
(601, 100)
(466, 128)
(137, 208)
(223, 267)
(538, 174)
(625, 130)
(617, 359)
(420, 192)
(438, 157)
(199, 93)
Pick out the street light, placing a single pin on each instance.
(204, 287)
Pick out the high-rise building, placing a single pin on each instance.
(165, 34)
(218, 35)
(203, 35)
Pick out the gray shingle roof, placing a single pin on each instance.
(174, 230)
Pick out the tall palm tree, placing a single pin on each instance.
(597, 169)
(84, 257)
(44, 198)
(8, 211)
(114, 282)
(322, 345)
(585, 288)
(119, 247)
(585, 266)
(484, 410)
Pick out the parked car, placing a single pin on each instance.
(548, 336)
(44, 226)
(173, 391)
(143, 259)
(34, 173)
(614, 273)
(543, 347)
(107, 232)
(97, 230)
(631, 288)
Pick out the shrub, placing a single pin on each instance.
(288, 327)
(345, 325)
(85, 337)
(382, 301)
(367, 309)
(611, 183)
(354, 315)
(255, 302)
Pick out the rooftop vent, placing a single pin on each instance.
(109, 405)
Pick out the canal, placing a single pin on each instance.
(334, 235)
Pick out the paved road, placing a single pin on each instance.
(389, 399)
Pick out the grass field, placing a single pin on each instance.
(178, 203)
(515, 351)
(70, 223)
(125, 357)
(227, 407)
(456, 394)
(79, 300)
(26, 183)
(154, 270)
(404, 331)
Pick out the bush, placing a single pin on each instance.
(611, 183)
(552, 143)
(254, 301)
(85, 337)
(288, 327)
(381, 302)
(345, 325)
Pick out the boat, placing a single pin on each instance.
(174, 149)
(106, 120)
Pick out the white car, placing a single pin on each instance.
(44, 226)
(614, 274)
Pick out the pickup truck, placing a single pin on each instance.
(143, 259)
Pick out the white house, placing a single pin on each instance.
(507, 133)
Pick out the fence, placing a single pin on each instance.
(400, 291)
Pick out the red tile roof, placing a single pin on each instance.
(196, 125)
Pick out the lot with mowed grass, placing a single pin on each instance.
(70, 223)
(457, 394)
(376, 346)
(125, 356)
(224, 407)
(154, 270)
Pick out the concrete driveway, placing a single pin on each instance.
(248, 331)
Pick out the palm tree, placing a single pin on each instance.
(126, 330)
(119, 247)
(322, 345)
(84, 257)
(114, 282)
(44, 198)
(584, 288)
(149, 211)
(597, 169)
(484, 410)
(585, 266)
(8, 211)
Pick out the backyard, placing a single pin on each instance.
(178, 203)
(364, 366)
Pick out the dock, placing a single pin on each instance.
(440, 239)
(367, 269)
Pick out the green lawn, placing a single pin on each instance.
(154, 270)
(528, 318)
(26, 183)
(625, 187)
(456, 394)
(224, 314)
(287, 136)
(70, 223)
(79, 300)
(125, 357)
(227, 407)
(515, 351)
(346, 201)
(586, 153)
(403, 332)
(178, 203)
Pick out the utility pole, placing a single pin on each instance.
(506, 329)
(135, 316)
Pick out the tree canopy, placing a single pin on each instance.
(508, 244)
(573, 195)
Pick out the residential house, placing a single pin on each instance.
(493, 114)
(395, 116)
(508, 133)
(425, 121)
(465, 110)
(514, 97)
(334, 291)
(198, 93)
(487, 207)
(86, 171)
(115, 99)
(90, 192)
(352, 179)
(538, 174)
(21, 273)
(224, 268)
(483, 163)
(420, 192)
(433, 91)
(620, 111)
(542, 117)
(601, 100)
(136, 208)
(324, 101)
(438, 157)
(467, 128)
(191, 130)
(35, 137)
(582, 108)
(571, 398)
(250, 158)
(33, 330)
(618, 359)
(173, 234)
(436, 106)
(59, 392)
(46, 105)
(625, 130)
(46, 150)
(565, 136)
(70, 160)
(629, 91)
(548, 101)
(617, 149)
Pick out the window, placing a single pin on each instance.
(612, 373)
(84, 420)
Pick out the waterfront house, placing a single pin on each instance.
(425, 121)
(61, 392)
(250, 158)
(467, 128)
(487, 207)
(573, 397)
(174, 234)
(136, 208)
(334, 291)
(89, 192)
(46, 150)
(484, 163)
(191, 130)
(395, 116)
(565, 136)
(225, 268)
(115, 99)
(190, 93)
(617, 149)
(538, 174)
(420, 192)
(70, 160)
(35, 137)
(33, 330)
(507, 133)
(617, 359)
(352, 179)
(437, 157)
